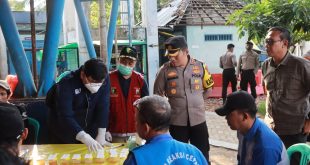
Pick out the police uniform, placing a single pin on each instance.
(228, 63)
(185, 88)
(248, 66)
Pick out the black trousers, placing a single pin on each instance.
(197, 135)
(290, 140)
(248, 76)
(228, 76)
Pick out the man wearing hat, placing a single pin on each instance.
(127, 86)
(5, 91)
(248, 66)
(186, 82)
(258, 144)
(12, 130)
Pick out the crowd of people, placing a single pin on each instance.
(95, 107)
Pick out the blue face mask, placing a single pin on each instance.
(124, 70)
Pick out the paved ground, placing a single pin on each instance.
(223, 140)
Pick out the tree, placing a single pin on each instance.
(256, 18)
(22, 5)
(17, 5)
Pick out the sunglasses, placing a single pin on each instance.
(271, 42)
(172, 52)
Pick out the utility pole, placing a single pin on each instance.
(103, 30)
(149, 21)
(33, 45)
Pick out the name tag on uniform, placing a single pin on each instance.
(77, 91)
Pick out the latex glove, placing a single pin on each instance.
(108, 136)
(101, 137)
(91, 143)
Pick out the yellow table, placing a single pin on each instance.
(73, 154)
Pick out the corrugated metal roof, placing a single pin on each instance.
(167, 14)
(24, 17)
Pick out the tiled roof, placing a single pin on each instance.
(197, 12)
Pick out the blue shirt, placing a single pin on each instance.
(261, 146)
(168, 151)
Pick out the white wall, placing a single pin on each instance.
(210, 51)
(3, 57)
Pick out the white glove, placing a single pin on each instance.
(101, 137)
(108, 136)
(85, 138)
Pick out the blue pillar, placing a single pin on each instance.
(15, 47)
(112, 28)
(50, 51)
(85, 29)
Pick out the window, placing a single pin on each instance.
(218, 37)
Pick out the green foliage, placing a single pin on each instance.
(256, 18)
(17, 5)
(262, 108)
(162, 3)
(94, 15)
(94, 12)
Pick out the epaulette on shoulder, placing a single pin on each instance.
(193, 61)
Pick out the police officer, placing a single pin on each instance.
(186, 82)
(127, 86)
(228, 63)
(248, 65)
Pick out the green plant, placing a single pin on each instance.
(262, 108)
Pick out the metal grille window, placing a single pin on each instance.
(218, 37)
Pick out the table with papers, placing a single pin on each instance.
(73, 154)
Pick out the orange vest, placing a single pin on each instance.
(122, 111)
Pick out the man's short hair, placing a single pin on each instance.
(285, 34)
(96, 69)
(155, 111)
(249, 43)
(229, 46)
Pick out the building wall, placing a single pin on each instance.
(3, 57)
(210, 51)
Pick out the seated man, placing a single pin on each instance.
(153, 114)
(5, 95)
(12, 130)
(258, 144)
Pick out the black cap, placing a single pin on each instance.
(249, 43)
(129, 52)
(11, 122)
(240, 100)
(175, 43)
